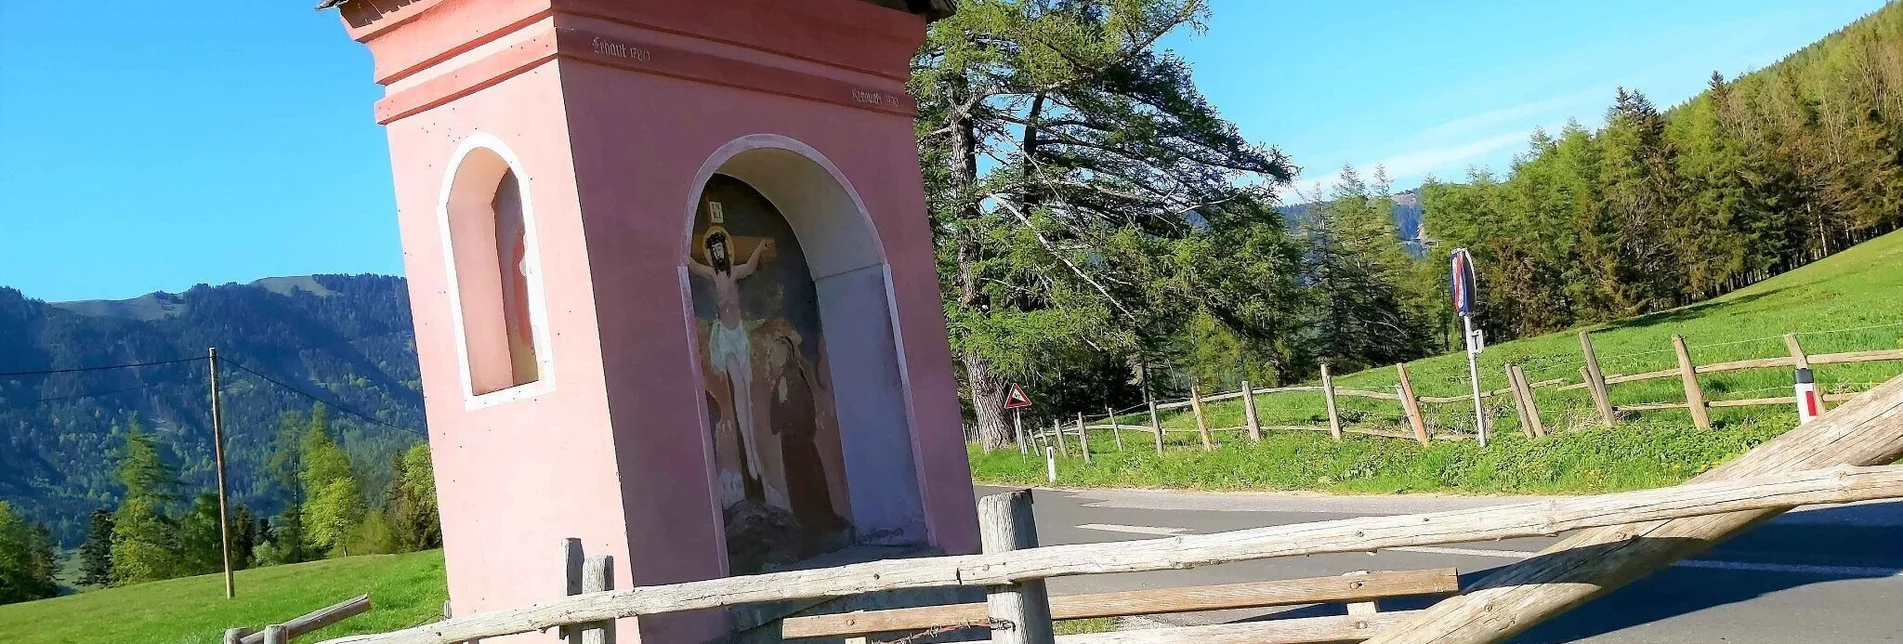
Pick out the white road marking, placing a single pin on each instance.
(1133, 529)
(1747, 566)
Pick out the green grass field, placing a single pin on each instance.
(405, 590)
(1852, 301)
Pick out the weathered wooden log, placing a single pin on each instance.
(1305, 630)
(1005, 524)
(1248, 412)
(1411, 405)
(1363, 534)
(1694, 395)
(1526, 397)
(315, 619)
(1202, 421)
(1260, 594)
(1328, 395)
(1156, 428)
(1866, 431)
(1595, 381)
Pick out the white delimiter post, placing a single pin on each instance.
(1473, 373)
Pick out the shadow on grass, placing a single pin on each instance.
(1687, 312)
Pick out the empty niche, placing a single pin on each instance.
(494, 273)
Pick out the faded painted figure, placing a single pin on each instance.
(777, 451)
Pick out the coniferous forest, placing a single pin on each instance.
(1660, 207)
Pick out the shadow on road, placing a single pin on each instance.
(1843, 539)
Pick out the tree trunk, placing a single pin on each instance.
(987, 401)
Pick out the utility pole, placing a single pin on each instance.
(218, 459)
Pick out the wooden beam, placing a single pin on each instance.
(1694, 395)
(1304, 630)
(1858, 356)
(314, 620)
(1362, 534)
(1595, 380)
(1866, 431)
(1411, 405)
(1288, 592)
(1328, 395)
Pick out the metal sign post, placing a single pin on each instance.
(1463, 288)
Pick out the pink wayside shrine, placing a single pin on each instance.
(674, 289)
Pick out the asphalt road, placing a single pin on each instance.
(1819, 575)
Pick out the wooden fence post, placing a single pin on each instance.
(573, 564)
(1083, 438)
(1328, 394)
(1006, 522)
(1694, 396)
(1596, 380)
(1801, 360)
(1519, 404)
(1248, 410)
(1536, 427)
(1202, 422)
(1411, 405)
(598, 576)
(235, 635)
(1116, 431)
(275, 634)
(1156, 427)
(1057, 428)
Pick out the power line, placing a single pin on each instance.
(314, 397)
(99, 368)
(107, 392)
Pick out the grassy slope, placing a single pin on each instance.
(405, 590)
(1860, 287)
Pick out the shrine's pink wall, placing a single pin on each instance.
(611, 160)
(515, 478)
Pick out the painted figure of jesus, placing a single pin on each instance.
(730, 348)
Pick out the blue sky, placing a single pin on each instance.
(148, 146)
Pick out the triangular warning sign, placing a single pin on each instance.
(1016, 398)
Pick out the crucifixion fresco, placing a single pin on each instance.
(778, 460)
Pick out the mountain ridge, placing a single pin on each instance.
(344, 339)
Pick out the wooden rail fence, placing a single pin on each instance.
(1521, 392)
(1020, 611)
(284, 633)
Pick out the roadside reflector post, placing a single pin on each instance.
(1809, 404)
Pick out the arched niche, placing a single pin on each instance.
(492, 259)
(863, 357)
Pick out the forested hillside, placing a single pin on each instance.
(1753, 177)
(343, 339)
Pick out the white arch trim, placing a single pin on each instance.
(476, 185)
(803, 193)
